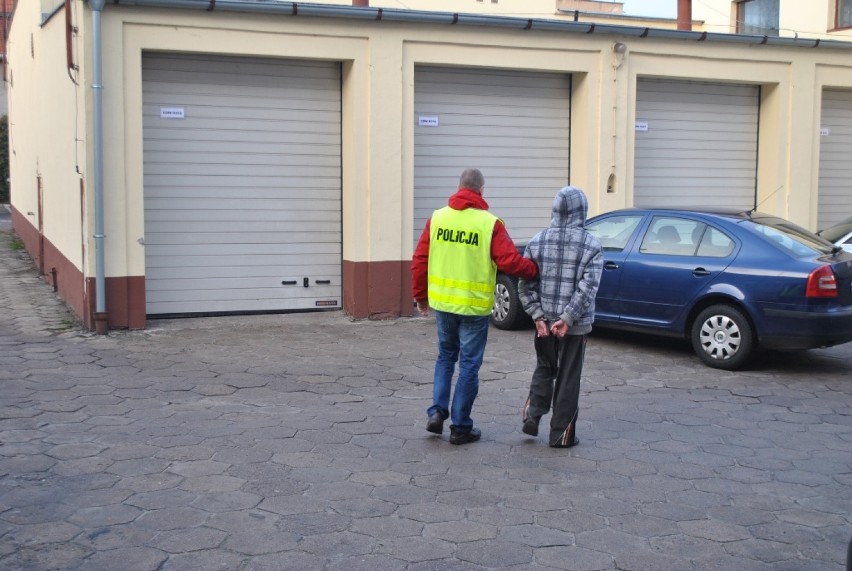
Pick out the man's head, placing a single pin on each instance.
(570, 207)
(472, 179)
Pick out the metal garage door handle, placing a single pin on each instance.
(306, 282)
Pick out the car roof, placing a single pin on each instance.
(712, 211)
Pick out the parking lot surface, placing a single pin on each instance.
(298, 442)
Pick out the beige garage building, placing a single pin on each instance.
(186, 157)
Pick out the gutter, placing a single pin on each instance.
(462, 19)
(101, 317)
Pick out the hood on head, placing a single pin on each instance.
(570, 207)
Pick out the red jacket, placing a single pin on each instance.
(503, 251)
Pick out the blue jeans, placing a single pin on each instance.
(461, 338)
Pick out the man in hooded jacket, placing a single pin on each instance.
(562, 303)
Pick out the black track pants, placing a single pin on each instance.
(556, 381)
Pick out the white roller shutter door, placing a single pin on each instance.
(242, 184)
(835, 158)
(514, 126)
(696, 144)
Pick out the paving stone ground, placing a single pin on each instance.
(297, 442)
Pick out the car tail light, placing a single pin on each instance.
(821, 283)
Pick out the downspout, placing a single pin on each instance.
(101, 318)
(70, 30)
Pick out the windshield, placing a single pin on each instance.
(791, 238)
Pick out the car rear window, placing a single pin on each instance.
(785, 235)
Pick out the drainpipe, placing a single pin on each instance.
(684, 15)
(101, 321)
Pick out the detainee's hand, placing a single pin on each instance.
(559, 328)
(541, 329)
(423, 307)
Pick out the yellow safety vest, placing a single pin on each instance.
(461, 271)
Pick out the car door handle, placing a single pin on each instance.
(700, 272)
(610, 266)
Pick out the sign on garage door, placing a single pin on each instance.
(514, 126)
(242, 184)
(696, 144)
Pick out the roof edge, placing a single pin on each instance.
(467, 19)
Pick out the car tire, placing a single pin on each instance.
(506, 313)
(722, 337)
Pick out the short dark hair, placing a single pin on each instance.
(472, 178)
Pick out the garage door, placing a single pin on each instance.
(835, 150)
(514, 126)
(242, 184)
(696, 144)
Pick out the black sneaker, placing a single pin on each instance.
(560, 444)
(457, 437)
(530, 427)
(435, 424)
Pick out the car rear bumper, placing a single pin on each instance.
(794, 330)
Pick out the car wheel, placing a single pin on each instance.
(722, 337)
(506, 313)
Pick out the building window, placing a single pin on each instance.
(758, 17)
(844, 14)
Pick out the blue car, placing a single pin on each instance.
(728, 281)
(731, 282)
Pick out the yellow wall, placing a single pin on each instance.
(47, 128)
(378, 93)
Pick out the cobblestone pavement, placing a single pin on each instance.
(297, 442)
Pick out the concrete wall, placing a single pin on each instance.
(378, 92)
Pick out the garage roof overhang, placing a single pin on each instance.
(463, 19)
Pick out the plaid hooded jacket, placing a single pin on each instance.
(570, 262)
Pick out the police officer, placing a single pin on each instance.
(453, 271)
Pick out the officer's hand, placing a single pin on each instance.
(423, 307)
